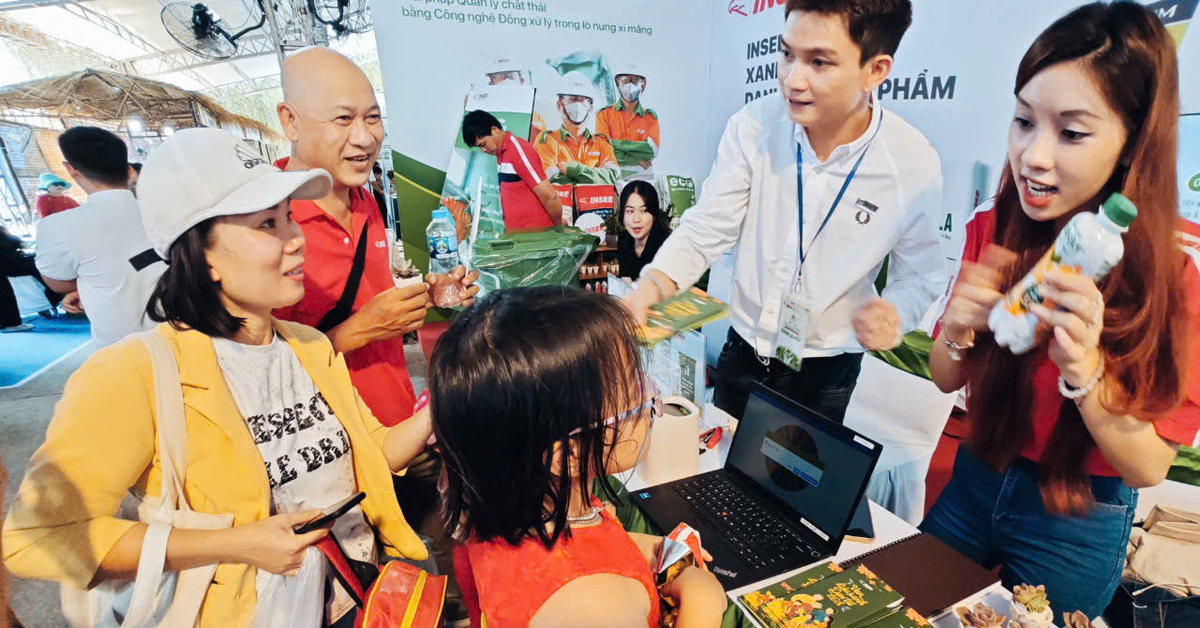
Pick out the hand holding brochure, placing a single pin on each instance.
(682, 312)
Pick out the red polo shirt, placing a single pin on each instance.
(520, 171)
(49, 205)
(1181, 425)
(378, 369)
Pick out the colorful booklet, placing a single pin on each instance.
(772, 604)
(687, 310)
(854, 598)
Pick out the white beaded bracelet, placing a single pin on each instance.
(1076, 394)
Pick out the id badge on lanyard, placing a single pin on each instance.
(797, 307)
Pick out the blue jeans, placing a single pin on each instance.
(998, 519)
(1159, 608)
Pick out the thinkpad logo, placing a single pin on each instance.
(724, 572)
(249, 158)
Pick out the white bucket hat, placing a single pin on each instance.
(202, 173)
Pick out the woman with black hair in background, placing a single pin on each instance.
(645, 227)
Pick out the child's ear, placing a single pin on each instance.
(557, 452)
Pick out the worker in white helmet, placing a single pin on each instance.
(501, 71)
(631, 127)
(507, 72)
(572, 154)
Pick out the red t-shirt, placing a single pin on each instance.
(520, 171)
(505, 586)
(378, 370)
(1181, 426)
(47, 205)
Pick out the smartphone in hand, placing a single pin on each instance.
(330, 514)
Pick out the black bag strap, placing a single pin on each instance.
(341, 310)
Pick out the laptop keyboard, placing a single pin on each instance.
(758, 536)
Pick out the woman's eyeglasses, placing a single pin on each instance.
(654, 402)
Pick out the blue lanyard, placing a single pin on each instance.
(836, 200)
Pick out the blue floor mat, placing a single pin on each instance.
(25, 354)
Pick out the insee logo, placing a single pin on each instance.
(739, 6)
(1194, 183)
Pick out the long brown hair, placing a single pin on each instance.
(1131, 58)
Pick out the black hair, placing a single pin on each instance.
(660, 229)
(186, 295)
(137, 166)
(514, 374)
(96, 153)
(377, 169)
(477, 124)
(875, 26)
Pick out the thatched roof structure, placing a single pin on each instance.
(111, 99)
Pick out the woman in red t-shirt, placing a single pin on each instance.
(1062, 436)
(536, 392)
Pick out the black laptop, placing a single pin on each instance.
(787, 493)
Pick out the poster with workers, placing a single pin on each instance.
(607, 108)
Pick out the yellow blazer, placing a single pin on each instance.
(101, 442)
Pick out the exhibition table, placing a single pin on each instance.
(888, 529)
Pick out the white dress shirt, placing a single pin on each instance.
(92, 244)
(749, 202)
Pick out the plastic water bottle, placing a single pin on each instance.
(443, 257)
(1090, 245)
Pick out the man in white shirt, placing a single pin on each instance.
(101, 248)
(803, 314)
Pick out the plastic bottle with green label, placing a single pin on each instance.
(1090, 245)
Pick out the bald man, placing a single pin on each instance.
(332, 119)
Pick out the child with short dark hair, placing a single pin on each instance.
(536, 392)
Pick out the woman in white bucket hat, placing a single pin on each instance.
(275, 431)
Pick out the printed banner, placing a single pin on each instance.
(1189, 167)
(609, 104)
(949, 82)
(1175, 15)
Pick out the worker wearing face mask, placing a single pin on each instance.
(632, 128)
(572, 154)
(503, 73)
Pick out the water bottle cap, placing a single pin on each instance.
(1120, 210)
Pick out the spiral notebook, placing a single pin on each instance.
(933, 577)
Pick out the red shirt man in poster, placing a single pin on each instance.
(526, 196)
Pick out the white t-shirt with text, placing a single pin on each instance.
(303, 444)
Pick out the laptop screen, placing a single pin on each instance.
(817, 468)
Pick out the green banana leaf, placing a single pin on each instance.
(580, 174)
(912, 356)
(629, 152)
(1186, 467)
